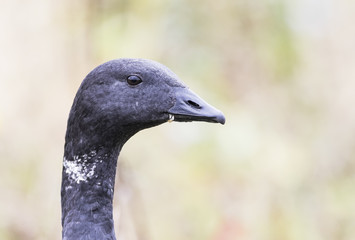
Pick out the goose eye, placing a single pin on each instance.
(134, 80)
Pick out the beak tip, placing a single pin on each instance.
(220, 118)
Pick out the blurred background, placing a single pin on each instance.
(281, 168)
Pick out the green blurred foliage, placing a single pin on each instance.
(281, 168)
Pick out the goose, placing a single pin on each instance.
(115, 101)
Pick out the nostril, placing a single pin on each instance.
(193, 104)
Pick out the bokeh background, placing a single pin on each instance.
(282, 168)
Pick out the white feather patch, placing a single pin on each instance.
(79, 169)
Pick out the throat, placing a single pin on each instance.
(87, 193)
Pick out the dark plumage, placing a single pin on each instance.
(115, 101)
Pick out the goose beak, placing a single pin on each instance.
(190, 107)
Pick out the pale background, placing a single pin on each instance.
(283, 72)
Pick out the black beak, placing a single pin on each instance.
(190, 107)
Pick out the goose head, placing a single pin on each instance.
(121, 97)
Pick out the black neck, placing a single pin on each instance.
(87, 193)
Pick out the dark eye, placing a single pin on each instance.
(134, 80)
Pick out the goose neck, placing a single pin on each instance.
(87, 192)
